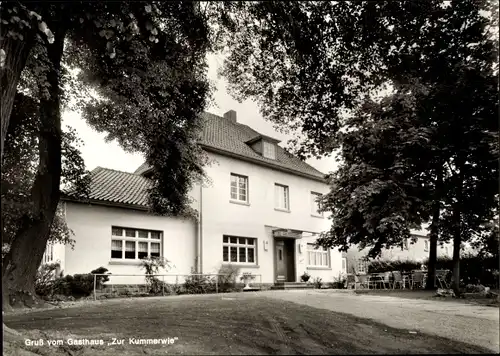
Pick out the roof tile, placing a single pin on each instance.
(224, 135)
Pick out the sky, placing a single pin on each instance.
(96, 152)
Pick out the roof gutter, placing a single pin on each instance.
(105, 203)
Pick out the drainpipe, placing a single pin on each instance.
(200, 233)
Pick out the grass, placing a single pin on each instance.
(221, 324)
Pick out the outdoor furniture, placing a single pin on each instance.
(398, 280)
(388, 279)
(362, 281)
(350, 281)
(417, 279)
(376, 280)
(441, 278)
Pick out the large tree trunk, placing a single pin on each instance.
(434, 233)
(25, 255)
(457, 241)
(433, 238)
(17, 52)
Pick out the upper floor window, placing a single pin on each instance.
(281, 194)
(135, 244)
(269, 150)
(315, 204)
(317, 257)
(426, 245)
(238, 249)
(239, 188)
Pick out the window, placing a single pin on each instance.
(238, 249)
(344, 265)
(48, 255)
(405, 245)
(426, 245)
(239, 188)
(315, 204)
(317, 257)
(282, 200)
(134, 244)
(362, 266)
(269, 150)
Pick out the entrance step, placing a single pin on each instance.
(292, 285)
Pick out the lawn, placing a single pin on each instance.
(220, 324)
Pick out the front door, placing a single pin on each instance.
(281, 265)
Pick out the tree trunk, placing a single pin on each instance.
(433, 238)
(457, 241)
(434, 233)
(25, 255)
(17, 52)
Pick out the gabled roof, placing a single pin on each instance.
(226, 137)
(116, 188)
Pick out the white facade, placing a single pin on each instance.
(92, 225)
(222, 219)
(258, 216)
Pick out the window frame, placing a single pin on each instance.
(278, 199)
(316, 203)
(426, 245)
(238, 189)
(238, 246)
(271, 150)
(137, 240)
(321, 251)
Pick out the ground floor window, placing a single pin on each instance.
(317, 257)
(48, 256)
(239, 249)
(135, 244)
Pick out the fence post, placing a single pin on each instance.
(217, 284)
(95, 295)
(163, 286)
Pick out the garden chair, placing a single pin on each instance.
(362, 281)
(388, 279)
(441, 278)
(417, 279)
(398, 280)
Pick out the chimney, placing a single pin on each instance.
(230, 115)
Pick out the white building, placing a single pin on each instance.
(259, 213)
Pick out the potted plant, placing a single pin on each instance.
(305, 277)
(247, 277)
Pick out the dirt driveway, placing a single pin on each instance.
(243, 323)
(476, 325)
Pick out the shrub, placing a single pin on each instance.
(305, 277)
(152, 266)
(318, 282)
(45, 276)
(474, 269)
(338, 283)
(199, 284)
(380, 266)
(100, 280)
(226, 278)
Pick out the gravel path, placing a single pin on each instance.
(471, 324)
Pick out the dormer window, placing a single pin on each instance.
(269, 150)
(264, 145)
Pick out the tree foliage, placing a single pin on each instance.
(428, 151)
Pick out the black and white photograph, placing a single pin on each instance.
(250, 177)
